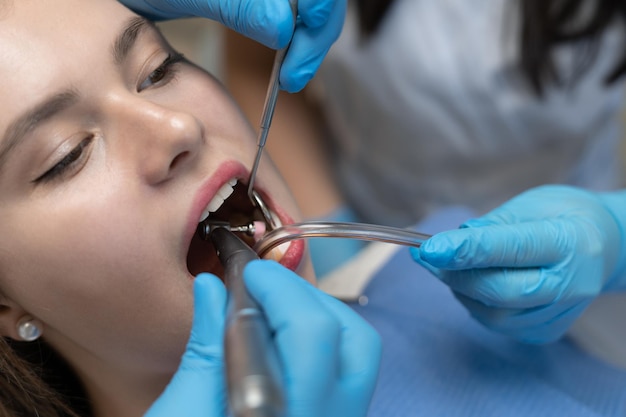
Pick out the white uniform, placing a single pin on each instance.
(433, 112)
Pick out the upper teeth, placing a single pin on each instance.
(222, 194)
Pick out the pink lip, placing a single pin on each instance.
(228, 170)
(295, 252)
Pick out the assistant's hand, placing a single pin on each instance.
(329, 354)
(269, 22)
(530, 267)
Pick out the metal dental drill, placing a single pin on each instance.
(254, 229)
(253, 377)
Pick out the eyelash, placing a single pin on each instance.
(64, 166)
(164, 73)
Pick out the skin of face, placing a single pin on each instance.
(99, 200)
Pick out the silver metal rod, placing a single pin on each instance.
(268, 108)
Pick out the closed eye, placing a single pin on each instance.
(70, 162)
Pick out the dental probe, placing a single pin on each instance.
(266, 120)
(253, 374)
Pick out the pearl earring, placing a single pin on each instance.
(29, 329)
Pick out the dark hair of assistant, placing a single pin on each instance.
(545, 25)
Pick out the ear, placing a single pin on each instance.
(11, 315)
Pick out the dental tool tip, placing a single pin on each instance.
(255, 229)
(259, 230)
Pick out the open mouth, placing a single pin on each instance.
(230, 205)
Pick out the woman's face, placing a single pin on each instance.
(111, 147)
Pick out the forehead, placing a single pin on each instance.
(45, 45)
(68, 23)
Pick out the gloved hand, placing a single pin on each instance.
(269, 22)
(329, 355)
(530, 267)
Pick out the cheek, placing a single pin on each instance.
(97, 289)
(200, 94)
(74, 256)
(45, 259)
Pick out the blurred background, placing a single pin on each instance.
(200, 40)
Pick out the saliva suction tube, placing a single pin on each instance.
(266, 240)
(360, 231)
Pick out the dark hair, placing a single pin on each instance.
(35, 381)
(545, 25)
(371, 13)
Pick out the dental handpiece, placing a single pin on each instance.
(253, 374)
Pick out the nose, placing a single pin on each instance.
(160, 141)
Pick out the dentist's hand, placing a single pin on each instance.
(269, 22)
(530, 267)
(329, 355)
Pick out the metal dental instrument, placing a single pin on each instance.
(253, 374)
(254, 229)
(362, 231)
(266, 120)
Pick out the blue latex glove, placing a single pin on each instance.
(269, 22)
(530, 267)
(329, 355)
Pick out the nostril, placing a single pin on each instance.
(178, 159)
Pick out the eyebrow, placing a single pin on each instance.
(60, 101)
(27, 122)
(128, 37)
